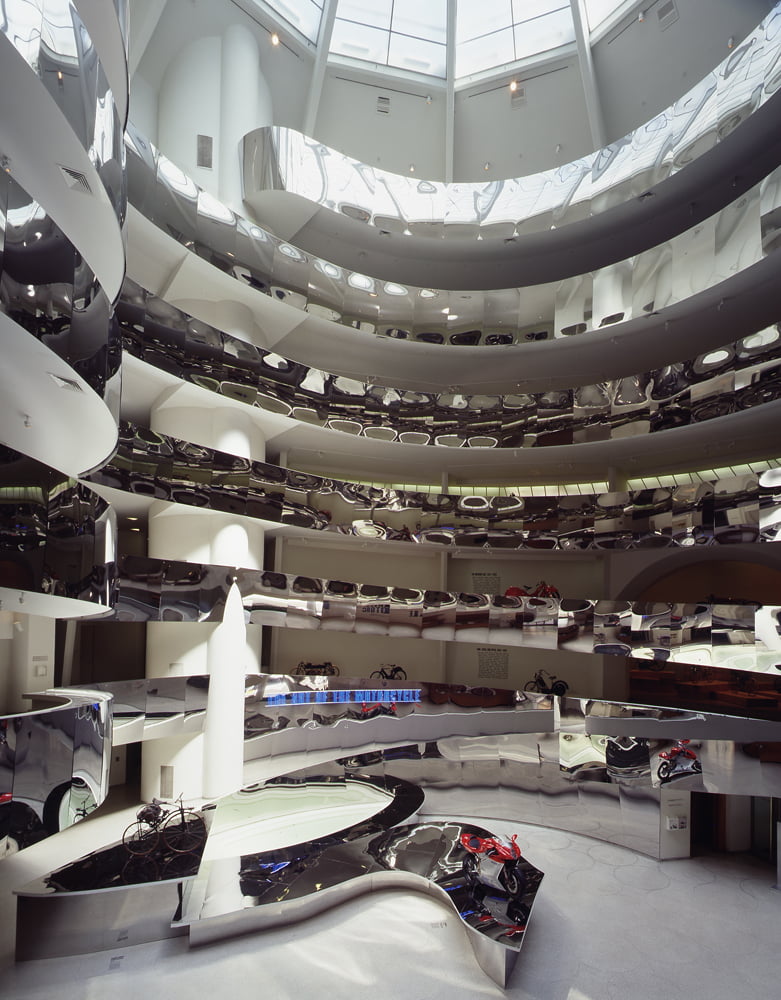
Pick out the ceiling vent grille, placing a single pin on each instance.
(667, 14)
(205, 151)
(75, 179)
(517, 97)
(383, 105)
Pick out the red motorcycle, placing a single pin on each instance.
(494, 861)
(679, 759)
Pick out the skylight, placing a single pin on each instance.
(303, 15)
(599, 11)
(493, 33)
(404, 34)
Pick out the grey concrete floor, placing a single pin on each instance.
(609, 924)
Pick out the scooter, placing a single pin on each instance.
(679, 759)
(494, 861)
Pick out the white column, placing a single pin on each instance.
(192, 534)
(223, 731)
(245, 104)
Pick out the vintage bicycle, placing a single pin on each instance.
(158, 824)
(389, 672)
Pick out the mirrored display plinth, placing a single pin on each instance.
(238, 892)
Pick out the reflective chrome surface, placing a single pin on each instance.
(54, 41)
(57, 536)
(54, 764)
(711, 636)
(50, 293)
(729, 511)
(281, 158)
(701, 250)
(737, 376)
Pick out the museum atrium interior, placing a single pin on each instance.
(389, 437)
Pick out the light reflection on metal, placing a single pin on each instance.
(728, 511)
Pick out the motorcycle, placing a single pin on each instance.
(679, 759)
(494, 861)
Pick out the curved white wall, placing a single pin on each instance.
(213, 87)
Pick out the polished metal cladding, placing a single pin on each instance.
(51, 294)
(633, 405)
(737, 510)
(593, 767)
(280, 158)
(54, 764)
(57, 536)
(731, 236)
(683, 653)
(54, 41)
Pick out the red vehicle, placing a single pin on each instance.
(680, 758)
(493, 861)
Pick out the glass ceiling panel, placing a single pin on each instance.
(406, 34)
(491, 33)
(357, 41)
(485, 52)
(411, 34)
(304, 15)
(598, 11)
(376, 13)
(475, 19)
(417, 55)
(426, 20)
(525, 10)
(544, 33)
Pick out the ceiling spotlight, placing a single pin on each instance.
(21, 598)
(558, 147)
(274, 38)
(513, 86)
(412, 168)
(641, 16)
(486, 165)
(730, 42)
(428, 98)
(26, 419)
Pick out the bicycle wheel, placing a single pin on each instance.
(140, 838)
(559, 688)
(400, 674)
(140, 868)
(180, 866)
(184, 831)
(530, 686)
(376, 674)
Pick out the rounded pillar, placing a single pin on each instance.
(245, 104)
(222, 650)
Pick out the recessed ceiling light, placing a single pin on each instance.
(274, 38)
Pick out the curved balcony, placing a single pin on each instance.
(54, 763)
(678, 169)
(63, 201)
(72, 161)
(732, 377)
(718, 259)
(57, 542)
(158, 467)
(690, 637)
